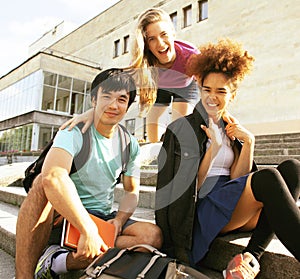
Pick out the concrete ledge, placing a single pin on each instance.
(12, 197)
(9, 215)
(149, 176)
(9, 174)
(7, 265)
(273, 159)
(7, 242)
(277, 262)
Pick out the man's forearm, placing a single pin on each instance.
(61, 192)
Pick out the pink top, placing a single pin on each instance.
(175, 77)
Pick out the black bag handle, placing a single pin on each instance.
(98, 270)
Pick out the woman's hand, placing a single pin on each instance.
(229, 119)
(235, 130)
(87, 118)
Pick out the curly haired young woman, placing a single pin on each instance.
(208, 183)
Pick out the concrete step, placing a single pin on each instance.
(149, 174)
(12, 174)
(277, 151)
(277, 260)
(10, 200)
(273, 159)
(288, 141)
(15, 195)
(7, 265)
(276, 263)
(289, 137)
(283, 145)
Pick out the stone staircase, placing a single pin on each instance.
(273, 149)
(277, 262)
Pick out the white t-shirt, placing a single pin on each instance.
(220, 166)
(224, 159)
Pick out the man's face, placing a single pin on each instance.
(110, 107)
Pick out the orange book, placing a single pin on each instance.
(70, 235)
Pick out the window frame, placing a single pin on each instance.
(175, 22)
(126, 44)
(117, 48)
(201, 12)
(187, 18)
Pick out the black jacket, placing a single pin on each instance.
(183, 148)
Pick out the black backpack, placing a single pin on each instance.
(34, 169)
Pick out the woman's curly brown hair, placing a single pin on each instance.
(226, 57)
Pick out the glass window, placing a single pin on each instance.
(69, 96)
(39, 91)
(173, 17)
(77, 104)
(64, 82)
(50, 78)
(87, 99)
(88, 87)
(16, 139)
(126, 44)
(117, 47)
(45, 134)
(48, 98)
(203, 10)
(28, 136)
(78, 85)
(22, 96)
(187, 16)
(62, 100)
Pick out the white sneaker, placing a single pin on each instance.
(242, 266)
(43, 269)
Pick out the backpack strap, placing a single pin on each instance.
(125, 146)
(81, 158)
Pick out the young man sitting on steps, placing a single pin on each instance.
(90, 190)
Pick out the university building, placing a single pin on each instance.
(54, 82)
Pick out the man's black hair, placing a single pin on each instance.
(114, 79)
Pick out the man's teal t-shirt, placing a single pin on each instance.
(96, 180)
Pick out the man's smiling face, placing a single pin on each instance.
(110, 107)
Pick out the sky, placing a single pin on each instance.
(25, 21)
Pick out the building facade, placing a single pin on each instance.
(53, 84)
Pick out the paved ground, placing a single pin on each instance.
(7, 266)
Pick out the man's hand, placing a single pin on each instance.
(90, 245)
(118, 226)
